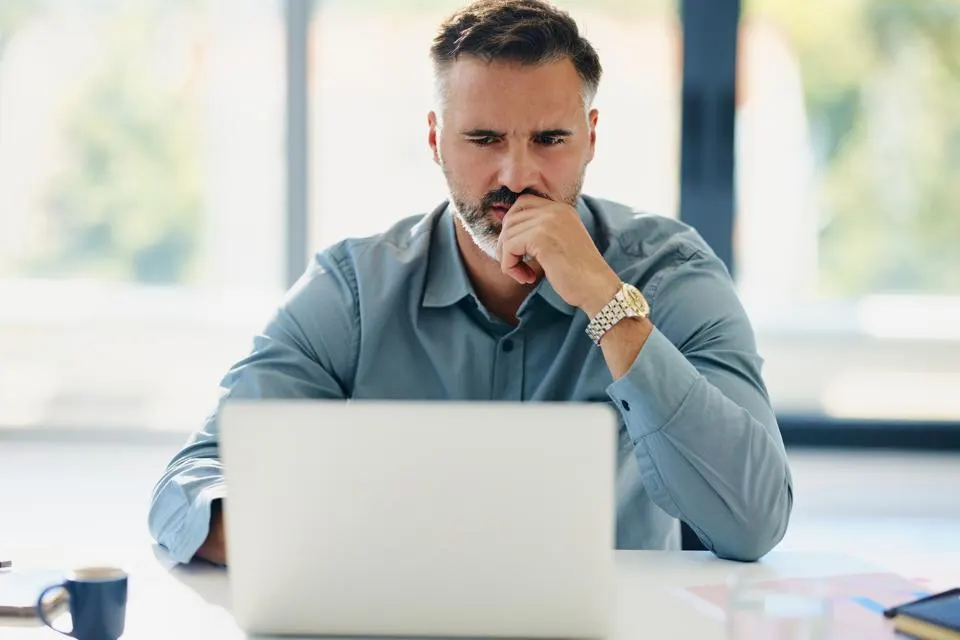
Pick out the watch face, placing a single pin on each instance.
(636, 300)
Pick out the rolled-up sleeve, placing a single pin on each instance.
(694, 404)
(307, 350)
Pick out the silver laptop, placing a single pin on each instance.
(420, 519)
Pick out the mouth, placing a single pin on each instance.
(499, 211)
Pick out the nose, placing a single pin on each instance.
(519, 169)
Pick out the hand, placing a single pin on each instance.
(214, 548)
(552, 233)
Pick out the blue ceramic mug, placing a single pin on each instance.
(98, 603)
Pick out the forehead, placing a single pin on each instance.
(508, 94)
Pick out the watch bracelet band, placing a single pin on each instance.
(612, 313)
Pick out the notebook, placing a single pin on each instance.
(19, 590)
(936, 618)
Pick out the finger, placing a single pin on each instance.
(517, 227)
(512, 252)
(508, 259)
(518, 269)
(530, 200)
(522, 273)
(509, 233)
(520, 213)
(518, 223)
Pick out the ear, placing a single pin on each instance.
(592, 124)
(432, 136)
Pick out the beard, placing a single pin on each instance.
(477, 216)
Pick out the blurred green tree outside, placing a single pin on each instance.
(882, 86)
(128, 204)
(14, 14)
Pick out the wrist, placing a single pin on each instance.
(599, 294)
(214, 548)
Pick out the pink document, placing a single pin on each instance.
(857, 601)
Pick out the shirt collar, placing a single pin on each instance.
(447, 280)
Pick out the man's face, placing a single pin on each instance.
(508, 129)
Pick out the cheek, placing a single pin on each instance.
(562, 169)
(469, 165)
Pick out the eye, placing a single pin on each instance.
(484, 141)
(550, 141)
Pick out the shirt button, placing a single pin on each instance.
(508, 345)
(625, 405)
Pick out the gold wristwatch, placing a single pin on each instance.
(627, 303)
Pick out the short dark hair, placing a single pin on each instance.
(529, 32)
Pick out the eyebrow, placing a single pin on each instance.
(485, 133)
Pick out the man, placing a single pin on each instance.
(523, 289)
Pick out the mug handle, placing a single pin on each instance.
(43, 616)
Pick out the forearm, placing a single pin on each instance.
(180, 509)
(622, 344)
(705, 458)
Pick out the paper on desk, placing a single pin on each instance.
(19, 590)
(858, 600)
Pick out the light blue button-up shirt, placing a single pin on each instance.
(394, 316)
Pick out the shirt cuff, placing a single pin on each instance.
(196, 523)
(654, 388)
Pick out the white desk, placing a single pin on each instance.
(52, 492)
(192, 602)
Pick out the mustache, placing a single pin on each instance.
(504, 196)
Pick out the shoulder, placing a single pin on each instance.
(692, 296)
(404, 245)
(660, 255)
(325, 305)
(334, 278)
(630, 233)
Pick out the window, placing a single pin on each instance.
(142, 186)
(141, 177)
(372, 88)
(848, 214)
